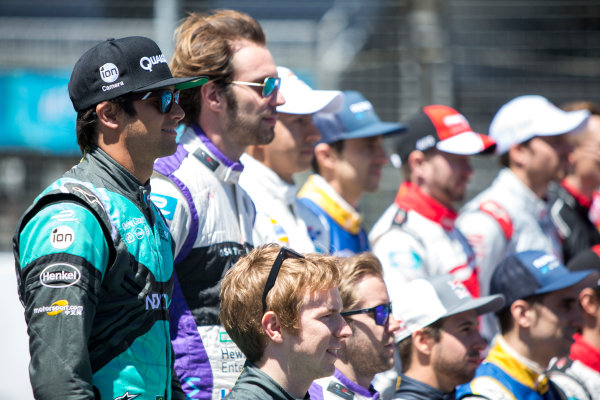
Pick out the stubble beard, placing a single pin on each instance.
(242, 129)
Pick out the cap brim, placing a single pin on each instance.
(572, 122)
(466, 143)
(567, 280)
(380, 128)
(178, 83)
(311, 102)
(481, 305)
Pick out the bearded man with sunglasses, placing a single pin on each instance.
(370, 349)
(210, 216)
(93, 256)
(283, 311)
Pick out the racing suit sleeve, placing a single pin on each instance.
(488, 241)
(63, 255)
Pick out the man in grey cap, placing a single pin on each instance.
(348, 162)
(438, 342)
(269, 169)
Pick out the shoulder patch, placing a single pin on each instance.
(499, 214)
(400, 217)
(166, 205)
(340, 390)
(207, 159)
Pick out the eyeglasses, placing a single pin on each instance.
(284, 253)
(269, 85)
(381, 312)
(167, 98)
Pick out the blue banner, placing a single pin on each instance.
(36, 113)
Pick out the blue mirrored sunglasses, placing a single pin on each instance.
(167, 98)
(268, 86)
(381, 312)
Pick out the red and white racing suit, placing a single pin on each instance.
(416, 238)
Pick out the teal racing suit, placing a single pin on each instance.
(94, 265)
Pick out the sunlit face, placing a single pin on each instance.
(359, 165)
(291, 150)
(546, 158)
(553, 322)
(151, 134)
(313, 350)
(250, 117)
(457, 355)
(446, 176)
(370, 349)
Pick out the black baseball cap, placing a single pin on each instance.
(119, 66)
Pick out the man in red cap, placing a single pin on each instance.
(416, 237)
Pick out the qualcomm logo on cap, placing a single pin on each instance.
(147, 62)
(109, 72)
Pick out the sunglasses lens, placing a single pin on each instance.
(166, 101)
(270, 85)
(382, 313)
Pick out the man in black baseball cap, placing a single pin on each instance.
(93, 255)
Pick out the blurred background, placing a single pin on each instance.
(473, 55)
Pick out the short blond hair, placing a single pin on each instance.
(243, 285)
(353, 269)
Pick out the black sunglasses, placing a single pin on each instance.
(284, 253)
(167, 98)
(381, 312)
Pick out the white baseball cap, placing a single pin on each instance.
(525, 117)
(421, 302)
(302, 99)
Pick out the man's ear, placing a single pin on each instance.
(326, 156)
(522, 313)
(589, 301)
(416, 161)
(272, 327)
(422, 342)
(213, 96)
(108, 114)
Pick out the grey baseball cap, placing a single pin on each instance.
(422, 302)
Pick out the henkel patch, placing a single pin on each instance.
(60, 275)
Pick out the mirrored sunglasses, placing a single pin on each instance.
(381, 313)
(268, 86)
(167, 98)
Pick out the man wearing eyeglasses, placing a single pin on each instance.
(370, 349)
(283, 311)
(269, 169)
(210, 216)
(438, 342)
(93, 255)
